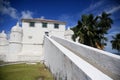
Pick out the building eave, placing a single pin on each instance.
(43, 20)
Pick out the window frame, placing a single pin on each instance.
(56, 26)
(44, 25)
(32, 24)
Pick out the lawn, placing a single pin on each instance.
(25, 72)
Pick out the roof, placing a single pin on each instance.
(3, 35)
(43, 20)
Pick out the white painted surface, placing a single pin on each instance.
(104, 61)
(15, 43)
(65, 65)
(31, 53)
(3, 52)
(26, 43)
(4, 46)
(29, 58)
(68, 34)
(37, 32)
(33, 39)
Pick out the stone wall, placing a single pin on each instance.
(3, 52)
(107, 62)
(4, 46)
(65, 65)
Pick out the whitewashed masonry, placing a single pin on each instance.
(26, 42)
(66, 59)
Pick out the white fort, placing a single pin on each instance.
(67, 60)
(26, 42)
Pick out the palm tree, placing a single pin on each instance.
(90, 30)
(116, 42)
(104, 24)
(85, 30)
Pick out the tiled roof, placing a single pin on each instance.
(43, 20)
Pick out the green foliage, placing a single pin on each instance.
(90, 30)
(24, 72)
(116, 42)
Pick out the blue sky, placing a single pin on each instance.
(69, 11)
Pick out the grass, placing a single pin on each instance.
(25, 72)
(2, 62)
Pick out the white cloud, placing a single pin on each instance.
(92, 7)
(114, 9)
(27, 14)
(6, 9)
(100, 6)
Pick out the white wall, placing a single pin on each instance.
(37, 32)
(16, 37)
(104, 61)
(14, 50)
(68, 34)
(32, 42)
(65, 65)
(31, 57)
(34, 45)
(34, 32)
(27, 43)
(4, 48)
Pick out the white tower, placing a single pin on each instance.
(15, 44)
(3, 46)
(68, 34)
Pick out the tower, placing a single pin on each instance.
(68, 34)
(3, 46)
(15, 43)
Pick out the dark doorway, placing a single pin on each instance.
(47, 33)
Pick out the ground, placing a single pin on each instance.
(25, 72)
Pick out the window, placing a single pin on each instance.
(32, 24)
(44, 25)
(56, 26)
